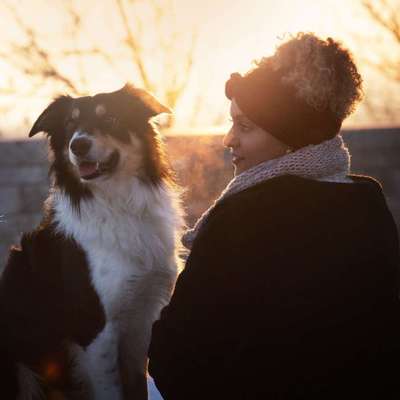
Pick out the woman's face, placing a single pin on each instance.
(250, 145)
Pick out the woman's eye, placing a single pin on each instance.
(245, 127)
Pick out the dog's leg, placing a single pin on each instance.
(100, 361)
(82, 388)
(134, 384)
(151, 294)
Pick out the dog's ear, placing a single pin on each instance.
(52, 118)
(151, 106)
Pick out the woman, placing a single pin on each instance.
(290, 289)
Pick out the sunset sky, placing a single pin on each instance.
(230, 35)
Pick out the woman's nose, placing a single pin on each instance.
(230, 139)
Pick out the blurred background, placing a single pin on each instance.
(183, 51)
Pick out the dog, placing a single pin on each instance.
(79, 296)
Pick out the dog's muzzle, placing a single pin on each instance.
(93, 169)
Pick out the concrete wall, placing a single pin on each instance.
(377, 153)
(202, 165)
(23, 186)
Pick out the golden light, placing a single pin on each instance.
(230, 35)
(52, 371)
(248, 30)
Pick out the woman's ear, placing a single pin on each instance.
(52, 118)
(151, 106)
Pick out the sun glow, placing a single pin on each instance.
(230, 35)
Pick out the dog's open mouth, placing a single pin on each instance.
(91, 169)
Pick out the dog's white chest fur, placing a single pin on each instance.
(113, 276)
(129, 239)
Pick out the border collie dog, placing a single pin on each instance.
(79, 296)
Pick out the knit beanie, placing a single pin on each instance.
(270, 96)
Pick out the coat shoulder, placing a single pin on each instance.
(295, 210)
(290, 194)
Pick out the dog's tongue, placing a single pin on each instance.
(87, 168)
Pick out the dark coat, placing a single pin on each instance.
(290, 292)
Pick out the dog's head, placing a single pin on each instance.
(106, 136)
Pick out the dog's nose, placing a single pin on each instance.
(80, 146)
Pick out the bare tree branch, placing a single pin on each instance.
(77, 26)
(384, 14)
(34, 59)
(387, 16)
(133, 46)
(391, 22)
(24, 54)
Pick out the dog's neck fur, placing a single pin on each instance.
(117, 215)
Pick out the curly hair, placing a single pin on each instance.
(322, 71)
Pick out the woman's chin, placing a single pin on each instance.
(238, 167)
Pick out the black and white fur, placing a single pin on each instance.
(109, 239)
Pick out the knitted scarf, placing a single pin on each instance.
(327, 161)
